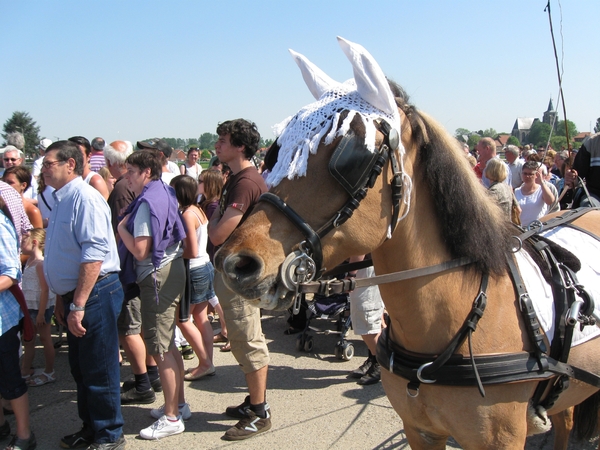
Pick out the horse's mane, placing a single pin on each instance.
(470, 223)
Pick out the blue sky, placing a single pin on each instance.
(137, 69)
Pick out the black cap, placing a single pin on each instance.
(157, 144)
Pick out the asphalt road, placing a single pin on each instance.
(314, 405)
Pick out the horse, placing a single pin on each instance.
(441, 214)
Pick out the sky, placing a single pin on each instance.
(129, 69)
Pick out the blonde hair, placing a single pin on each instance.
(495, 170)
(39, 234)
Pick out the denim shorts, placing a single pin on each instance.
(47, 315)
(202, 283)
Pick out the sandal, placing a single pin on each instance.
(219, 338)
(226, 347)
(42, 379)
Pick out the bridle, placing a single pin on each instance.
(306, 263)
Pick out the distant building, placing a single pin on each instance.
(523, 125)
(550, 116)
(581, 136)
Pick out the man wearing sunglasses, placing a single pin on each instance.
(12, 156)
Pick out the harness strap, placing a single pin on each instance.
(312, 239)
(534, 330)
(569, 216)
(429, 368)
(339, 286)
(492, 369)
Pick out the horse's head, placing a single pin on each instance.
(310, 219)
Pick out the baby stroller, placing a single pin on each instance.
(335, 306)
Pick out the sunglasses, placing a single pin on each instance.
(11, 159)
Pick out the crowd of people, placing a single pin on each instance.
(531, 183)
(117, 245)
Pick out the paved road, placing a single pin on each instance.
(314, 405)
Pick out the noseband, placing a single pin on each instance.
(356, 169)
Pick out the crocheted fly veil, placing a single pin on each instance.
(368, 95)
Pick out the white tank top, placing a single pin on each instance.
(202, 239)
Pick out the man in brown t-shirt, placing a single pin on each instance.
(237, 143)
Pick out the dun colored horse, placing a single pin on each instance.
(442, 214)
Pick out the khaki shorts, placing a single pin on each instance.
(158, 318)
(129, 321)
(366, 306)
(244, 329)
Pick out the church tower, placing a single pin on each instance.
(550, 116)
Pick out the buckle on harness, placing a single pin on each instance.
(420, 374)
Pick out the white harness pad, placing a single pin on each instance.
(587, 249)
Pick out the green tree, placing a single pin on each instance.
(473, 140)
(207, 141)
(460, 132)
(513, 141)
(597, 127)
(490, 132)
(21, 121)
(560, 129)
(558, 142)
(265, 143)
(539, 133)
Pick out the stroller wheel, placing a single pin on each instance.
(308, 344)
(300, 342)
(347, 351)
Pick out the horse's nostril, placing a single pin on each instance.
(242, 266)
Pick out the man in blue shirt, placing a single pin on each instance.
(81, 266)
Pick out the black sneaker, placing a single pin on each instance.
(249, 426)
(135, 396)
(118, 445)
(156, 385)
(5, 430)
(22, 444)
(362, 370)
(372, 376)
(239, 412)
(82, 439)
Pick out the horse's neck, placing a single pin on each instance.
(424, 306)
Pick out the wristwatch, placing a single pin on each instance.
(74, 307)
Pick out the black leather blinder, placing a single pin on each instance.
(351, 163)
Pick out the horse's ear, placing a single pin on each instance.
(371, 82)
(317, 81)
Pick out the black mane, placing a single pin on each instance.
(470, 223)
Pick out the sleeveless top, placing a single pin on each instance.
(91, 175)
(32, 289)
(202, 239)
(193, 171)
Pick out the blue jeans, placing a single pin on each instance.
(94, 361)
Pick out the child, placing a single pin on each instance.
(40, 302)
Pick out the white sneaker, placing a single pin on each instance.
(184, 412)
(163, 427)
